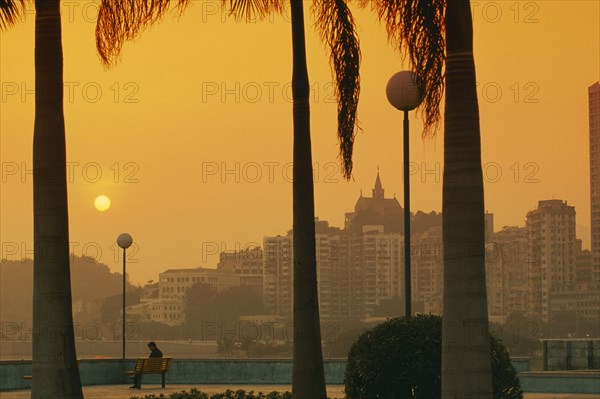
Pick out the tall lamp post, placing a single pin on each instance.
(404, 94)
(124, 241)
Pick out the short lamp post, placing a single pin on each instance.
(404, 94)
(124, 241)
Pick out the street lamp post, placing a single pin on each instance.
(404, 94)
(124, 241)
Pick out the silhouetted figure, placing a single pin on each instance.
(155, 352)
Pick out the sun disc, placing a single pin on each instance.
(102, 203)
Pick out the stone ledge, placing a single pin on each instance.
(267, 371)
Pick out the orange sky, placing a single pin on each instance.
(190, 135)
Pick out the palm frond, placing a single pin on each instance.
(10, 11)
(122, 20)
(335, 24)
(252, 10)
(417, 29)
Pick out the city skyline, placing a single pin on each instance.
(538, 270)
(211, 142)
(213, 252)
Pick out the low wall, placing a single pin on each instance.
(520, 364)
(270, 371)
(183, 371)
(242, 372)
(12, 372)
(91, 372)
(561, 382)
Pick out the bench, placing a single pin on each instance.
(30, 377)
(151, 365)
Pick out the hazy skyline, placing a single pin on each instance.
(202, 94)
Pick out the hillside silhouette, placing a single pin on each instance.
(90, 281)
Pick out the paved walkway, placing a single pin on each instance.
(123, 391)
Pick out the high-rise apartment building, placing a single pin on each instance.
(247, 263)
(551, 236)
(278, 275)
(583, 264)
(378, 264)
(357, 267)
(333, 276)
(427, 270)
(594, 120)
(506, 272)
(581, 298)
(355, 271)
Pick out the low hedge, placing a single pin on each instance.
(228, 394)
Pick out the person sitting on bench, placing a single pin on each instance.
(154, 352)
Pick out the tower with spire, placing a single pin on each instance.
(378, 191)
(376, 211)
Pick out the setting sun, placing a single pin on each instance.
(102, 203)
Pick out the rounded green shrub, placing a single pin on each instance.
(401, 358)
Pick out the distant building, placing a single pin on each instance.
(357, 267)
(507, 260)
(334, 277)
(375, 242)
(168, 311)
(594, 121)
(167, 301)
(489, 225)
(506, 271)
(377, 264)
(247, 263)
(354, 271)
(582, 297)
(278, 275)
(551, 234)
(583, 264)
(376, 210)
(582, 300)
(427, 270)
(174, 283)
(496, 278)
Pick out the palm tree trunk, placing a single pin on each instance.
(55, 371)
(466, 365)
(308, 376)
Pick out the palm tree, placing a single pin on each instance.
(336, 27)
(54, 359)
(466, 365)
(418, 27)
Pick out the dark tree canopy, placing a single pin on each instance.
(205, 304)
(401, 358)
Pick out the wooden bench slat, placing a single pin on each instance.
(151, 365)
